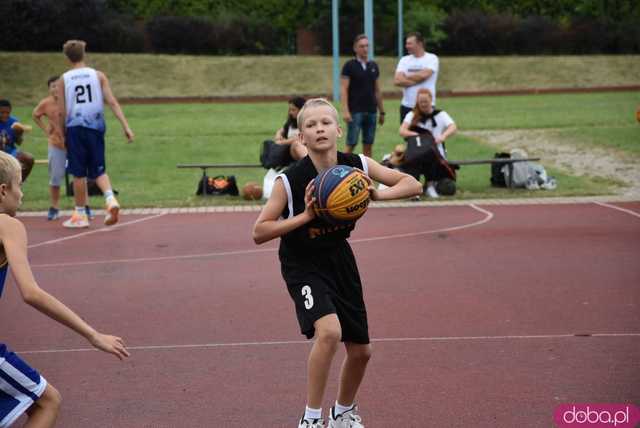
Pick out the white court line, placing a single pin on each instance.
(624, 210)
(488, 217)
(91, 232)
(304, 342)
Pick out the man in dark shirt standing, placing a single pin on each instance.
(361, 96)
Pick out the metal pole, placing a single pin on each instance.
(400, 30)
(336, 50)
(368, 24)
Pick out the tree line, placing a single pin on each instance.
(222, 27)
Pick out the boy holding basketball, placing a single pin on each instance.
(22, 389)
(318, 265)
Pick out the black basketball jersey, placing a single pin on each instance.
(316, 235)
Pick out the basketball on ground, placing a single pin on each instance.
(342, 195)
(252, 191)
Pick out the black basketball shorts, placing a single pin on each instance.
(330, 285)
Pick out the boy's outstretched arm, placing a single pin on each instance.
(268, 227)
(14, 241)
(401, 185)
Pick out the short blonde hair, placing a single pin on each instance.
(9, 168)
(312, 103)
(74, 50)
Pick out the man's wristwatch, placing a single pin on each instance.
(382, 113)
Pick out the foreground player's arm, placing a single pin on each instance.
(400, 185)
(111, 100)
(268, 226)
(14, 241)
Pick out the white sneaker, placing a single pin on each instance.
(77, 221)
(313, 423)
(348, 419)
(431, 192)
(112, 210)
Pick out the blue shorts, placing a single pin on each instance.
(361, 121)
(20, 386)
(85, 152)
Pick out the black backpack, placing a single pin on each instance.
(497, 177)
(274, 155)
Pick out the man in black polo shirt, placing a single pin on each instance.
(361, 96)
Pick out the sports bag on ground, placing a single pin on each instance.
(218, 185)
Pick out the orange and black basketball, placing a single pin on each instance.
(342, 194)
(252, 191)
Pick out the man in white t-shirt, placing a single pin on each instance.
(415, 71)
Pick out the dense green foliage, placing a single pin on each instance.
(460, 27)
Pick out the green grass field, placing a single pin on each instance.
(24, 74)
(146, 175)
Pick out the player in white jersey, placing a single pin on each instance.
(82, 94)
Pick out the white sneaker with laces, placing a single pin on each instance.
(313, 423)
(348, 419)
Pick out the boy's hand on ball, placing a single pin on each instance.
(373, 192)
(310, 200)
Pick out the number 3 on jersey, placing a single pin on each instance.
(83, 95)
(306, 292)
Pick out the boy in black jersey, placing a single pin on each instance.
(318, 265)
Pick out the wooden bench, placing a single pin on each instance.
(500, 161)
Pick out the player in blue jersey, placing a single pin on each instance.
(82, 93)
(11, 131)
(318, 265)
(22, 388)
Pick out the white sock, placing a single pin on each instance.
(108, 195)
(80, 210)
(340, 409)
(311, 414)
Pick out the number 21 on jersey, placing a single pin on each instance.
(83, 94)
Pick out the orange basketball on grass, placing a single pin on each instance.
(252, 191)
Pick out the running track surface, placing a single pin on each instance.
(479, 316)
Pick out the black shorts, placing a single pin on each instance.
(328, 283)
